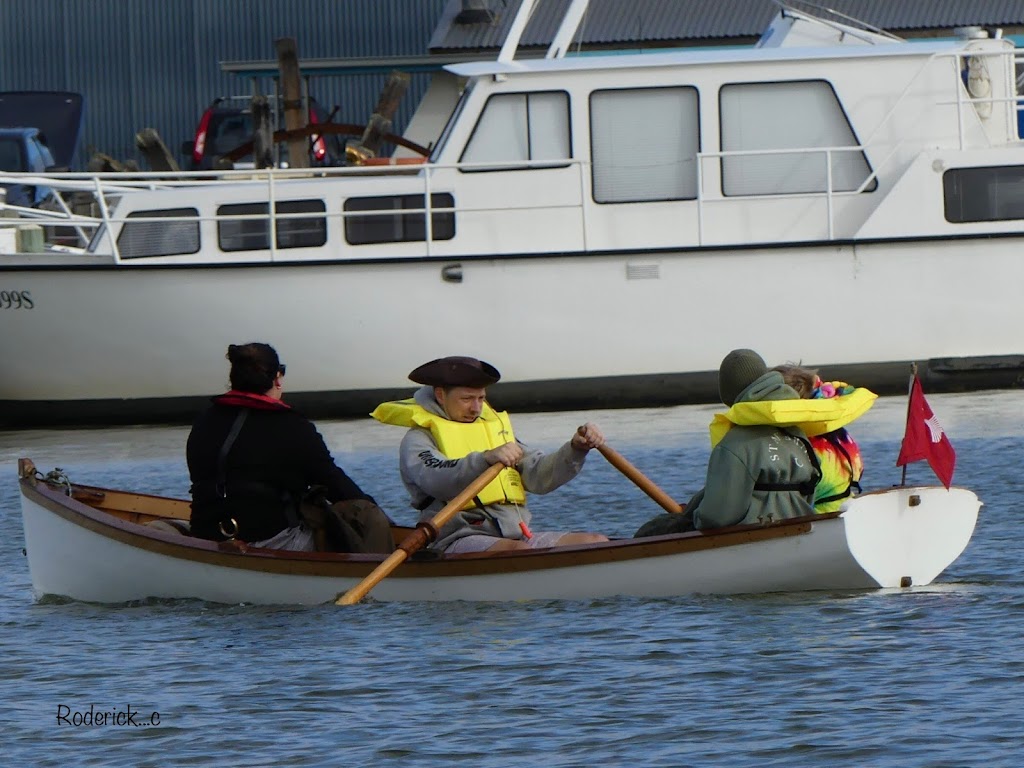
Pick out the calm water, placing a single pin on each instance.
(931, 676)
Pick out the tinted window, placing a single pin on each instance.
(521, 127)
(984, 194)
(252, 233)
(10, 155)
(226, 132)
(659, 165)
(794, 115)
(159, 238)
(397, 218)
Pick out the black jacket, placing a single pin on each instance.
(276, 456)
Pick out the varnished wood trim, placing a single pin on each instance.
(112, 526)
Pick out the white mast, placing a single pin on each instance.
(515, 32)
(567, 29)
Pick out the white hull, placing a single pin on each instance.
(882, 540)
(135, 334)
(100, 342)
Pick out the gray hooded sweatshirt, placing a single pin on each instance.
(748, 459)
(434, 479)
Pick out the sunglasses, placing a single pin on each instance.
(281, 369)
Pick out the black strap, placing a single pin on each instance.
(806, 488)
(853, 484)
(221, 483)
(837, 496)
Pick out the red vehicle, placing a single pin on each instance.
(227, 124)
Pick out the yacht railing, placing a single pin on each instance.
(105, 189)
(828, 194)
(101, 192)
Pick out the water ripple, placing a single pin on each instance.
(928, 676)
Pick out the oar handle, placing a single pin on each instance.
(644, 483)
(425, 533)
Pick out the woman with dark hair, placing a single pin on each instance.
(251, 458)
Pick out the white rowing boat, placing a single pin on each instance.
(109, 546)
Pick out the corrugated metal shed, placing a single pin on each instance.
(618, 22)
(156, 63)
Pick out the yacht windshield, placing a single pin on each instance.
(452, 120)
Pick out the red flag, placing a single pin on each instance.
(925, 439)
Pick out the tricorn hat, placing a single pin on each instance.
(456, 372)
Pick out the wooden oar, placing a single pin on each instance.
(425, 533)
(643, 482)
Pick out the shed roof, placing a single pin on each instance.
(619, 22)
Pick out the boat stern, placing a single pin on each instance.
(907, 536)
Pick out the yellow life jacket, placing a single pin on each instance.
(455, 440)
(813, 417)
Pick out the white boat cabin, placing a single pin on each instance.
(863, 138)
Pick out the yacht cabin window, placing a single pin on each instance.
(246, 226)
(521, 127)
(644, 144)
(398, 219)
(141, 239)
(984, 194)
(805, 116)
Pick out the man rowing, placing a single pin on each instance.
(454, 435)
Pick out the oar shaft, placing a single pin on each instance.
(378, 574)
(644, 483)
(422, 536)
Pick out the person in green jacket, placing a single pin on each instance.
(757, 473)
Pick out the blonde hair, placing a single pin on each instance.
(803, 380)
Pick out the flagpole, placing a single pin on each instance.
(910, 391)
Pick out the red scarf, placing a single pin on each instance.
(251, 400)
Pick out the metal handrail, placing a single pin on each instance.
(106, 188)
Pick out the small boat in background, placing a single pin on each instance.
(110, 546)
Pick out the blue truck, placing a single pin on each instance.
(23, 150)
(39, 133)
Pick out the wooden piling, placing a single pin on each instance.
(263, 133)
(291, 90)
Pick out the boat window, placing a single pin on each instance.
(452, 121)
(644, 144)
(521, 127)
(984, 194)
(398, 218)
(139, 239)
(796, 115)
(11, 158)
(253, 234)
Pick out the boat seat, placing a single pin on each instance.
(180, 527)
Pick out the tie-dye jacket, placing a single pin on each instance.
(839, 457)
